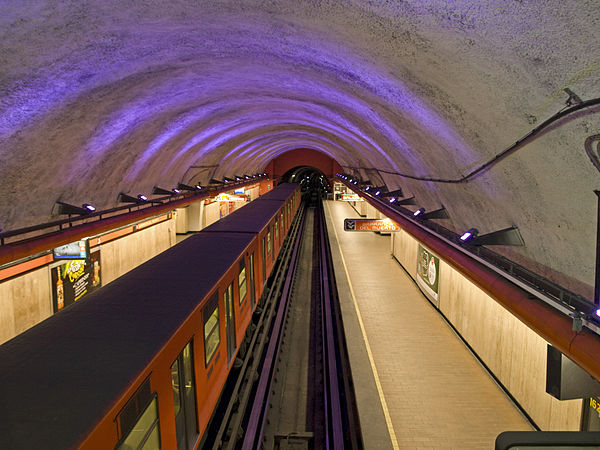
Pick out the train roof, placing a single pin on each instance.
(281, 192)
(58, 379)
(256, 215)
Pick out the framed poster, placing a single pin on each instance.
(428, 274)
(74, 279)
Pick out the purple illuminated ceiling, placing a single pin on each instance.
(100, 97)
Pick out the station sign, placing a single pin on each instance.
(370, 225)
(351, 198)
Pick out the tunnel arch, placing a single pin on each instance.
(300, 157)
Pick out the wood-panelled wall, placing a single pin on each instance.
(24, 301)
(124, 254)
(512, 351)
(211, 213)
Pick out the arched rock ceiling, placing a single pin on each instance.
(105, 96)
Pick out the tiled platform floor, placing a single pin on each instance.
(437, 394)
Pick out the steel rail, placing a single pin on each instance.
(334, 430)
(254, 429)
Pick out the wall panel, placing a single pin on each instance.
(211, 213)
(405, 251)
(24, 301)
(126, 253)
(512, 351)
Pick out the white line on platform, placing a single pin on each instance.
(386, 413)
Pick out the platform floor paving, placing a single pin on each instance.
(418, 386)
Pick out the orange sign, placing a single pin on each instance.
(370, 225)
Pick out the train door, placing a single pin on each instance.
(184, 396)
(251, 279)
(269, 244)
(229, 322)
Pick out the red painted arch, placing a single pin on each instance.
(302, 157)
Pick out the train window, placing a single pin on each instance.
(212, 337)
(251, 275)
(184, 396)
(145, 433)
(269, 241)
(276, 231)
(242, 282)
(281, 223)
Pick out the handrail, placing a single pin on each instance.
(543, 314)
(124, 209)
(13, 251)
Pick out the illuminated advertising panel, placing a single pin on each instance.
(74, 279)
(428, 274)
(351, 198)
(73, 250)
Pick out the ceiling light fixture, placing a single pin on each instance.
(66, 208)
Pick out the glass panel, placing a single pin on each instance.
(211, 335)
(242, 284)
(269, 241)
(153, 442)
(175, 384)
(141, 428)
(189, 401)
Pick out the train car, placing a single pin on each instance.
(288, 192)
(141, 362)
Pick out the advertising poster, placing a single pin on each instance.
(74, 279)
(223, 209)
(428, 274)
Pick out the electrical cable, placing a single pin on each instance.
(525, 139)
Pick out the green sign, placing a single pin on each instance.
(428, 273)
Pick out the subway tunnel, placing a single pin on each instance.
(488, 110)
(106, 97)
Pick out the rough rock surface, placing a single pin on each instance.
(99, 97)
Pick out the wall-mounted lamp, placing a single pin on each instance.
(160, 191)
(440, 213)
(228, 180)
(469, 235)
(65, 208)
(124, 198)
(507, 236)
(185, 187)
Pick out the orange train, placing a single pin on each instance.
(140, 363)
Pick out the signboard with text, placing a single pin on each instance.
(370, 225)
(428, 274)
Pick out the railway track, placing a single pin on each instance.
(294, 386)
